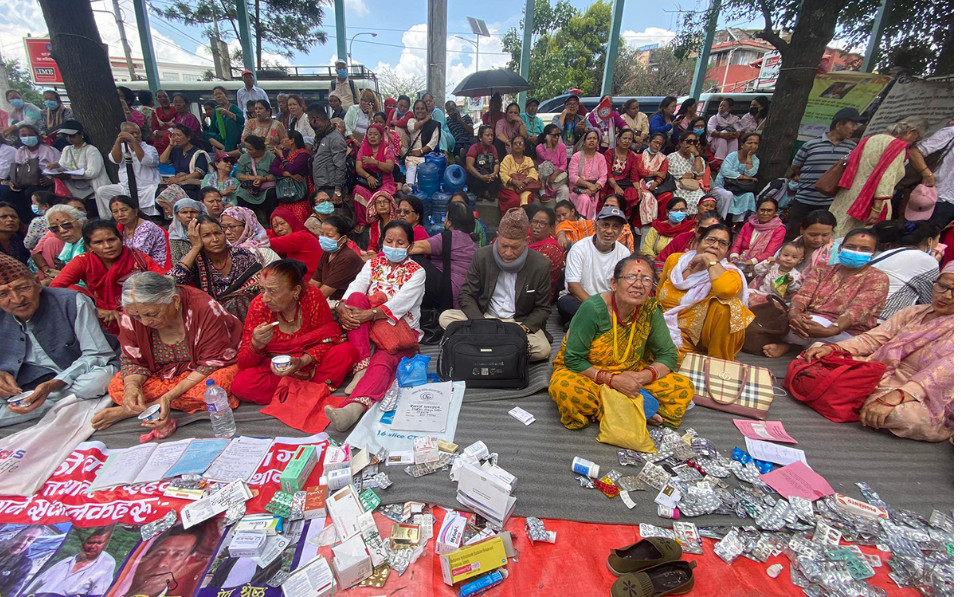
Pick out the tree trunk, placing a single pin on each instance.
(799, 62)
(82, 59)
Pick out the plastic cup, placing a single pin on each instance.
(152, 413)
(20, 399)
(280, 363)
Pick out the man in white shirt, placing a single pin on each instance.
(249, 92)
(943, 175)
(88, 572)
(129, 149)
(590, 263)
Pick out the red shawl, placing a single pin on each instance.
(103, 284)
(665, 228)
(861, 208)
(288, 216)
(212, 336)
(551, 249)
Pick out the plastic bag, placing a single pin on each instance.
(413, 371)
(623, 422)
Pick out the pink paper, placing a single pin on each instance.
(799, 480)
(772, 431)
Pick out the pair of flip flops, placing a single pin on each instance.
(650, 568)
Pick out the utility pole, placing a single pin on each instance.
(613, 47)
(146, 45)
(874, 42)
(437, 50)
(697, 83)
(123, 40)
(526, 49)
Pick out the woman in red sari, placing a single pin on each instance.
(162, 120)
(289, 238)
(172, 338)
(375, 170)
(542, 240)
(622, 173)
(293, 319)
(103, 268)
(651, 170)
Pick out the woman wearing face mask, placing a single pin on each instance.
(26, 173)
(651, 171)
(265, 127)
(722, 129)
(41, 201)
(906, 258)
(664, 229)
(915, 397)
(244, 230)
(761, 237)
(637, 122)
(79, 154)
(737, 179)
(23, 112)
(54, 113)
(703, 297)
(338, 265)
(874, 167)
(699, 128)
(836, 302)
(756, 117)
(381, 314)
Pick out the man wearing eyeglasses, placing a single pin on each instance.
(590, 263)
(53, 345)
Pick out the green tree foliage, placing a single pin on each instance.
(18, 78)
(666, 72)
(280, 26)
(567, 48)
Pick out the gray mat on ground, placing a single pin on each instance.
(907, 474)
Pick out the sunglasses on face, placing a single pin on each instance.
(66, 226)
(689, 141)
(403, 212)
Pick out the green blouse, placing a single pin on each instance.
(244, 166)
(593, 320)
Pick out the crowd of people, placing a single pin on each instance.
(250, 233)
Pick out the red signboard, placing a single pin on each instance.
(43, 68)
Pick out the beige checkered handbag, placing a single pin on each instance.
(729, 386)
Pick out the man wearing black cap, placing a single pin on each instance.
(814, 159)
(591, 261)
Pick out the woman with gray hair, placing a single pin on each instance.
(172, 338)
(66, 223)
(874, 167)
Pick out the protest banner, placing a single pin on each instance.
(931, 100)
(833, 91)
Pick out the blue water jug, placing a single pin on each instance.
(454, 179)
(428, 177)
(439, 202)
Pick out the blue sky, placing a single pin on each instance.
(400, 27)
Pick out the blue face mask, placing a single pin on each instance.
(50, 104)
(676, 217)
(395, 255)
(793, 185)
(853, 259)
(342, 73)
(324, 208)
(329, 245)
(30, 141)
(36, 209)
(698, 131)
(17, 103)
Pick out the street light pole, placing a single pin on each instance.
(476, 49)
(350, 48)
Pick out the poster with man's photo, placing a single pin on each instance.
(24, 550)
(172, 563)
(227, 572)
(86, 563)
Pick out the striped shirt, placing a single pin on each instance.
(814, 159)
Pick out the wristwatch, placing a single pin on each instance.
(711, 263)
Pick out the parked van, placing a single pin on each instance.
(550, 108)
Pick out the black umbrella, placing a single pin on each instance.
(486, 82)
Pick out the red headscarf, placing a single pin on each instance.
(288, 216)
(384, 150)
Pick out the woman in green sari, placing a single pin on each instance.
(226, 124)
(619, 339)
(257, 184)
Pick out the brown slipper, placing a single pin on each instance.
(669, 578)
(643, 554)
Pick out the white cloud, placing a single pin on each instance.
(650, 35)
(462, 58)
(358, 7)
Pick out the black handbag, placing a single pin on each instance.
(769, 325)
(668, 185)
(485, 353)
(25, 175)
(739, 185)
(378, 180)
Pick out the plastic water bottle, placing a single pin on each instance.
(221, 417)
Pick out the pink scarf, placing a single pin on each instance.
(861, 208)
(763, 239)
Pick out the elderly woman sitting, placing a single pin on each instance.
(704, 296)
(172, 338)
(592, 354)
(244, 230)
(837, 301)
(915, 397)
(185, 211)
(223, 271)
(103, 268)
(66, 223)
(290, 318)
(382, 307)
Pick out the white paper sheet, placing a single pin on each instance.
(775, 453)
(77, 172)
(121, 468)
(239, 460)
(197, 457)
(423, 408)
(164, 457)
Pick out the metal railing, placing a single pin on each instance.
(357, 71)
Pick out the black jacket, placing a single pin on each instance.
(532, 292)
